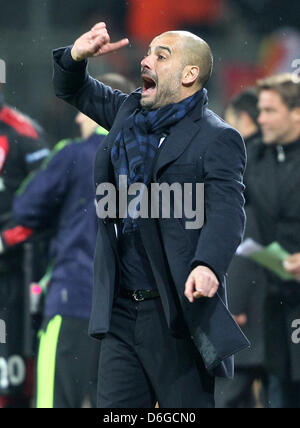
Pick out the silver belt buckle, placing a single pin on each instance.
(137, 298)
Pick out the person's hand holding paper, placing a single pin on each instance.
(292, 265)
(273, 257)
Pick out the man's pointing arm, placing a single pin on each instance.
(73, 84)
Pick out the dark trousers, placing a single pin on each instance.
(142, 363)
(67, 367)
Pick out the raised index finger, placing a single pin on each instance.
(117, 45)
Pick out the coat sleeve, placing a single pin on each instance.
(37, 206)
(73, 84)
(224, 166)
(32, 153)
(37, 203)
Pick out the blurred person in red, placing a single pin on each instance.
(22, 149)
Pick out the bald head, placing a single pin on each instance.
(177, 65)
(195, 52)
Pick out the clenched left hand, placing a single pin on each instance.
(202, 282)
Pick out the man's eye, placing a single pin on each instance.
(161, 57)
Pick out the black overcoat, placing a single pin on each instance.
(200, 148)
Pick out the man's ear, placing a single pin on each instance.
(190, 75)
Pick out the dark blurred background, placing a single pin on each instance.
(249, 39)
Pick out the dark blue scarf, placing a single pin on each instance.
(136, 144)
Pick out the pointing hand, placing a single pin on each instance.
(95, 43)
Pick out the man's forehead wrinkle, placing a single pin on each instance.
(183, 41)
(165, 42)
(167, 39)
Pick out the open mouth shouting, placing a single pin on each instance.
(149, 85)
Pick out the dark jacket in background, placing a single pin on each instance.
(273, 183)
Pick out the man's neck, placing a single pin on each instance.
(189, 93)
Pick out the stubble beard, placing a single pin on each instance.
(164, 96)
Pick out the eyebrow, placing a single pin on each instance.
(166, 48)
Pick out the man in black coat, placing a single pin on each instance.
(273, 179)
(159, 294)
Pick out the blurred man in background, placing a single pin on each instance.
(246, 280)
(62, 197)
(22, 149)
(242, 114)
(273, 180)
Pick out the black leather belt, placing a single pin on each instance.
(139, 295)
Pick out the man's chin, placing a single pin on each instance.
(147, 102)
(269, 140)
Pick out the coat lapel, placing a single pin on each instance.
(178, 140)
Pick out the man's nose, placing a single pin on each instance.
(147, 62)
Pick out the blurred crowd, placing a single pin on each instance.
(48, 221)
(250, 39)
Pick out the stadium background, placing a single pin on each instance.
(249, 38)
